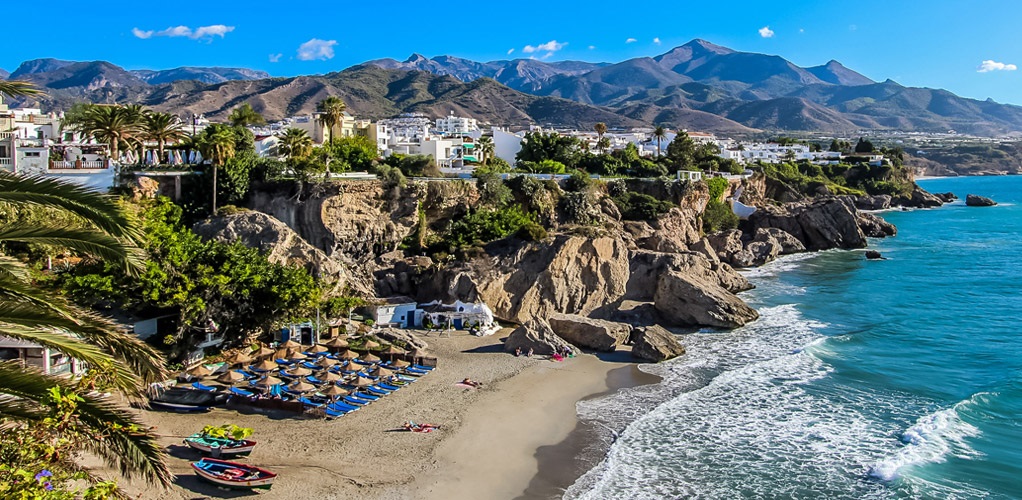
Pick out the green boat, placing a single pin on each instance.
(220, 447)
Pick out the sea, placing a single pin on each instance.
(896, 378)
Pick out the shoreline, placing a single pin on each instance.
(519, 436)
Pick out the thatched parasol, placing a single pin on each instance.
(230, 377)
(348, 355)
(400, 364)
(361, 381)
(280, 354)
(326, 362)
(369, 358)
(381, 372)
(316, 349)
(301, 386)
(290, 344)
(328, 376)
(334, 391)
(263, 352)
(418, 353)
(371, 344)
(238, 359)
(265, 364)
(294, 354)
(393, 350)
(268, 382)
(299, 372)
(198, 371)
(337, 343)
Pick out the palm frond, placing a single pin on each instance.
(86, 241)
(96, 208)
(19, 88)
(13, 268)
(122, 442)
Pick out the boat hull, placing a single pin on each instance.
(211, 449)
(215, 472)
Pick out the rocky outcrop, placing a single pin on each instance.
(405, 336)
(789, 244)
(918, 199)
(726, 243)
(685, 299)
(654, 343)
(766, 245)
(820, 225)
(537, 335)
(875, 227)
(282, 246)
(589, 333)
(874, 255)
(878, 202)
(947, 197)
(973, 200)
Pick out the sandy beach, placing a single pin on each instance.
(491, 444)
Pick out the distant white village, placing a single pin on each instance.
(34, 142)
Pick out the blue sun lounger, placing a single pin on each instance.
(314, 381)
(311, 366)
(423, 367)
(335, 413)
(378, 391)
(341, 406)
(201, 387)
(241, 392)
(365, 395)
(388, 387)
(355, 401)
(311, 403)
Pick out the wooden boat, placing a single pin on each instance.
(218, 447)
(233, 475)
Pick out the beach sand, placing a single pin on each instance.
(492, 443)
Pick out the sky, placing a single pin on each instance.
(972, 49)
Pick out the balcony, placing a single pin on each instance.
(7, 135)
(6, 162)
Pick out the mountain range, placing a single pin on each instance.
(699, 85)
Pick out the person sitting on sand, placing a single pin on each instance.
(518, 352)
(531, 351)
(471, 382)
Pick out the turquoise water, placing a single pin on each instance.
(899, 378)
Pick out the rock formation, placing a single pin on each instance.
(654, 343)
(918, 199)
(588, 333)
(534, 334)
(973, 200)
(685, 299)
(875, 227)
(820, 225)
(878, 202)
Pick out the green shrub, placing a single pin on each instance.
(718, 216)
(531, 231)
(637, 206)
(718, 185)
(578, 208)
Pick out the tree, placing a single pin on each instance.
(789, 155)
(486, 147)
(602, 144)
(659, 133)
(864, 146)
(244, 115)
(18, 88)
(331, 113)
(295, 143)
(116, 126)
(217, 144)
(600, 128)
(162, 128)
(681, 152)
(539, 146)
(352, 153)
(116, 360)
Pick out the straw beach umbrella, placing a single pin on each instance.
(230, 377)
(369, 358)
(268, 382)
(326, 362)
(280, 354)
(238, 359)
(265, 365)
(381, 372)
(400, 364)
(393, 350)
(263, 352)
(328, 377)
(198, 371)
(337, 343)
(361, 381)
(290, 344)
(299, 372)
(302, 387)
(371, 344)
(334, 391)
(317, 349)
(348, 355)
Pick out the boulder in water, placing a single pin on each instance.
(874, 255)
(973, 200)
(654, 343)
(588, 333)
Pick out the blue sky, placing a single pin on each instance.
(969, 48)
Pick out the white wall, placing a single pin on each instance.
(506, 145)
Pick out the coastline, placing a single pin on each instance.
(518, 436)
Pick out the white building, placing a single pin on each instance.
(506, 145)
(32, 355)
(456, 125)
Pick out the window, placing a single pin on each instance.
(32, 154)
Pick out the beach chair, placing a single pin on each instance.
(388, 387)
(423, 367)
(335, 413)
(377, 391)
(355, 401)
(285, 362)
(314, 381)
(311, 366)
(366, 395)
(310, 403)
(241, 392)
(200, 387)
(406, 379)
(341, 407)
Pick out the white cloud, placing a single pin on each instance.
(631, 40)
(656, 40)
(202, 32)
(510, 51)
(766, 32)
(275, 57)
(801, 30)
(990, 65)
(592, 47)
(551, 46)
(316, 49)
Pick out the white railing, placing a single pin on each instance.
(76, 165)
(6, 162)
(7, 135)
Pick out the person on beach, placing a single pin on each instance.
(518, 352)
(530, 352)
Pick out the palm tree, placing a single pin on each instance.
(32, 314)
(603, 144)
(331, 112)
(114, 125)
(162, 128)
(486, 147)
(295, 143)
(18, 88)
(659, 133)
(244, 115)
(217, 145)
